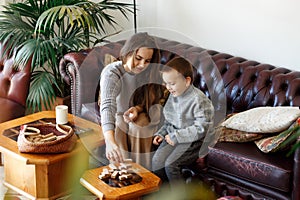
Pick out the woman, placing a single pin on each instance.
(126, 93)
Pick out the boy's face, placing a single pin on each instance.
(175, 82)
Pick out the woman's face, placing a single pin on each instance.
(138, 62)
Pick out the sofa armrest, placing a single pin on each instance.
(296, 175)
(81, 71)
(69, 69)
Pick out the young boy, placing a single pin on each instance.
(188, 115)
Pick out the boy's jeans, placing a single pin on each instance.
(168, 160)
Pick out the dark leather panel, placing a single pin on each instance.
(10, 110)
(91, 112)
(296, 178)
(245, 161)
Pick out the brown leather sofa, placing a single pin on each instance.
(231, 168)
(14, 87)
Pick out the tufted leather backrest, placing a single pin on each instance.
(14, 87)
(247, 83)
(251, 84)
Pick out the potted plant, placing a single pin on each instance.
(45, 30)
(294, 139)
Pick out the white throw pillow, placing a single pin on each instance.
(263, 119)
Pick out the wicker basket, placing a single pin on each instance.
(53, 138)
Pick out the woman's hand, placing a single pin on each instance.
(131, 114)
(112, 151)
(157, 140)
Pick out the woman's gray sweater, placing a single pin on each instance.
(116, 89)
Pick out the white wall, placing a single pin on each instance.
(267, 31)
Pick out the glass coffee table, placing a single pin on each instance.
(45, 176)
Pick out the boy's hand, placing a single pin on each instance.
(157, 140)
(169, 141)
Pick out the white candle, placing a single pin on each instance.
(61, 112)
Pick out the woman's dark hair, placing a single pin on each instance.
(152, 91)
(137, 41)
(149, 95)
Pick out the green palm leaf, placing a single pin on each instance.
(42, 31)
(41, 92)
(293, 139)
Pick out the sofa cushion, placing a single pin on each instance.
(233, 135)
(10, 110)
(277, 142)
(246, 161)
(90, 111)
(263, 119)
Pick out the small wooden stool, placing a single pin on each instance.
(150, 183)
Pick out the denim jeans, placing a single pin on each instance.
(168, 160)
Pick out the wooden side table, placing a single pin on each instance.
(43, 176)
(150, 183)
